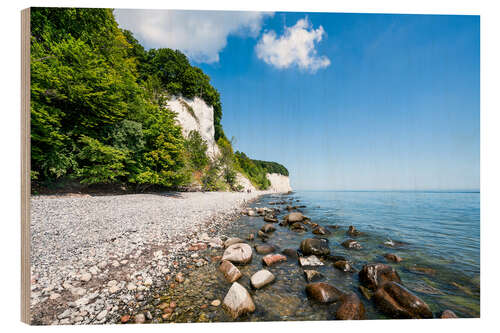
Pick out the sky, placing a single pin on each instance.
(344, 101)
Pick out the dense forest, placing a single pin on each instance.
(98, 111)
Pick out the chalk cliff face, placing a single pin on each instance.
(279, 183)
(196, 115)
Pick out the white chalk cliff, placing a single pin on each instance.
(196, 115)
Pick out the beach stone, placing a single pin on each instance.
(238, 301)
(264, 249)
(373, 276)
(231, 241)
(251, 237)
(310, 261)
(292, 253)
(353, 232)
(343, 265)
(351, 308)
(272, 259)
(231, 273)
(239, 253)
(323, 292)
(179, 277)
(261, 278)
(312, 275)
(85, 277)
(267, 228)
(396, 301)
(295, 217)
(448, 314)
(320, 231)
(124, 319)
(270, 219)
(215, 302)
(351, 244)
(140, 318)
(251, 212)
(393, 257)
(262, 235)
(315, 246)
(298, 227)
(102, 314)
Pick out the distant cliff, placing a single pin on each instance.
(195, 115)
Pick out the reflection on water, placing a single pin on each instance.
(436, 233)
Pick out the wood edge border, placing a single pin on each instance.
(25, 166)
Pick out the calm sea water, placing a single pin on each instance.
(438, 235)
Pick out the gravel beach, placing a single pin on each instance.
(91, 256)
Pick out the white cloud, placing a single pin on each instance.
(199, 34)
(295, 47)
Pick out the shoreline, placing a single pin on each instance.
(124, 247)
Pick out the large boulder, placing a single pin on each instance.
(323, 292)
(351, 308)
(396, 301)
(316, 246)
(238, 301)
(261, 278)
(231, 273)
(373, 276)
(295, 217)
(239, 253)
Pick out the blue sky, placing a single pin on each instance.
(344, 101)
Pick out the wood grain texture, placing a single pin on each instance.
(25, 166)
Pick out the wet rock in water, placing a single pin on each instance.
(270, 219)
(251, 212)
(353, 232)
(351, 244)
(262, 235)
(335, 258)
(238, 301)
(264, 249)
(316, 246)
(323, 292)
(272, 259)
(393, 243)
(239, 253)
(295, 217)
(448, 314)
(231, 241)
(291, 253)
(396, 301)
(366, 292)
(312, 260)
(231, 272)
(422, 270)
(351, 308)
(393, 257)
(267, 228)
(298, 227)
(343, 265)
(312, 275)
(140, 318)
(320, 231)
(251, 237)
(261, 278)
(333, 226)
(373, 276)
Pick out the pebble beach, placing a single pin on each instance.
(92, 255)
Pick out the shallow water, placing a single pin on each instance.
(438, 231)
